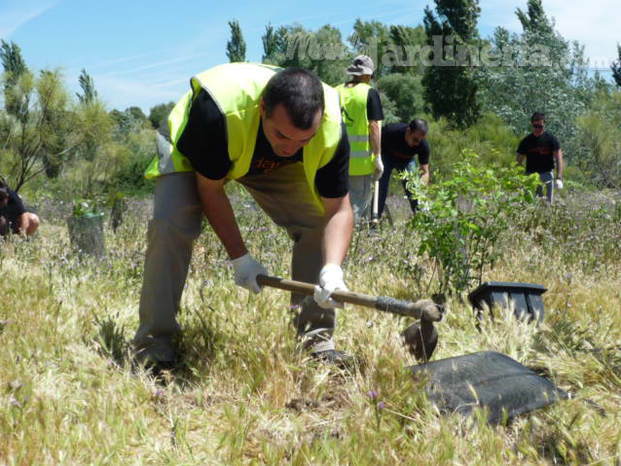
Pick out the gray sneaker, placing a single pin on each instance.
(157, 354)
(334, 357)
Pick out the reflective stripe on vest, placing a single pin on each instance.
(354, 107)
(237, 88)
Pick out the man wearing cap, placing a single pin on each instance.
(279, 134)
(362, 114)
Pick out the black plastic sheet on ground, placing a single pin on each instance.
(487, 380)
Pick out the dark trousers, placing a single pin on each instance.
(390, 164)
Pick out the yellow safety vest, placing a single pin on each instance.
(237, 89)
(354, 107)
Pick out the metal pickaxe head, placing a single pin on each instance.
(421, 338)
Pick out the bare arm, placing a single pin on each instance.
(24, 224)
(520, 159)
(560, 164)
(218, 210)
(375, 136)
(424, 173)
(339, 228)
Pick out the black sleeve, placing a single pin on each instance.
(332, 180)
(423, 153)
(16, 205)
(374, 106)
(554, 143)
(523, 147)
(204, 140)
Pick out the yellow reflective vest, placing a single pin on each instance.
(354, 107)
(237, 89)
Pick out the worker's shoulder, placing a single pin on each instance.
(397, 127)
(234, 77)
(550, 137)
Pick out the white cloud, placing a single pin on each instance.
(119, 93)
(14, 14)
(158, 65)
(593, 23)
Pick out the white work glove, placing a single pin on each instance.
(379, 167)
(330, 279)
(558, 184)
(246, 271)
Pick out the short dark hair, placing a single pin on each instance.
(418, 124)
(301, 93)
(538, 116)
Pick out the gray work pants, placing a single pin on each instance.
(361, 193)
(284, 195)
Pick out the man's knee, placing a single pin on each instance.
(4, 226)
(167, 232)
(177, 208)
(31, 223)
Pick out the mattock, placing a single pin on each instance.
(420, 338)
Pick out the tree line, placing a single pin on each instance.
(470, 87)
(445, 70)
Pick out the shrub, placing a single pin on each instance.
(462, 218)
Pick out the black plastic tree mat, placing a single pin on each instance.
(487, 380)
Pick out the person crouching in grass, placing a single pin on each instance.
(13, 215)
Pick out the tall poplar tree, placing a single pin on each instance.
(450, 83)
(236, 46)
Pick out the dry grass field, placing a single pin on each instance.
(246, 395)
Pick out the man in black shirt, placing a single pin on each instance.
(279, 134)
(542, 153)
(401, 143)
(13, 215)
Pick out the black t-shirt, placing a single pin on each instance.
(12, 211)
(539, 152)
(375, 112)
(204, 142)
(394, 145)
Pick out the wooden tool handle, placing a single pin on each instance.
(375, 211)
(309, 289)
(421, 309)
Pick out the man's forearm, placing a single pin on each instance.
(519, 158)
(219, 213)
(424, 174)
(338, 232)
(375, 136)
(558, 156)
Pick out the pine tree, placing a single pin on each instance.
(451, 88)
(89, 94)
(616, 67)
(270, 45)
(534, 19)
(12, 62)
(15, 103)
(236, 46)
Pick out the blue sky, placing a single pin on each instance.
(143, 53)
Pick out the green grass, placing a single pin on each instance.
(68, 394)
